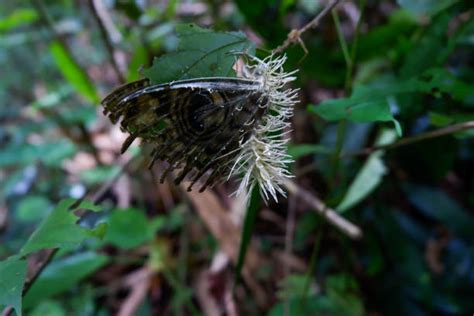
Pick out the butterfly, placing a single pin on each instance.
(196, 126)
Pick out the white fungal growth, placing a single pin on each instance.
(263, 159)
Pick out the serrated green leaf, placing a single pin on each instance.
(12, 279)
(71, 70)
(59, 229)
(61, 275)
(201, 53)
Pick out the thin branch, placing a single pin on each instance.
(414, 139)
(329, 214)
(295, 35)
(110, 35)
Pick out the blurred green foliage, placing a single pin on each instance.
(412, 73)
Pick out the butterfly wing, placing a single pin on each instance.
(196, 125)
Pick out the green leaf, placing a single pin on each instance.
(445, 81)
(62, 275)
(12, 278)
(371, 103)
(73, 72)
(59, 229)
(369, 177)
(128, 228)
(300, 150)
(201, 53)
(18, 17)
(364, 105)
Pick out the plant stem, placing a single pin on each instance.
(341, 128)
(295, 35)
(329, 214)
(342, 40)
(350, 69)
(109, 34)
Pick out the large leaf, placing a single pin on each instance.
(371, 103)
(201, 53)
(59, 229)
(73, 72)
(12, 278)
(62, 274)
(365, 105)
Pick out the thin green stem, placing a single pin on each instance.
(341, 128)
(350, 69)
(342, 40)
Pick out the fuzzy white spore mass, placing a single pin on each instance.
(263, 158)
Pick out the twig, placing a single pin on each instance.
(109, 33)
(295, 35)
(414, 139)
(329, 214)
